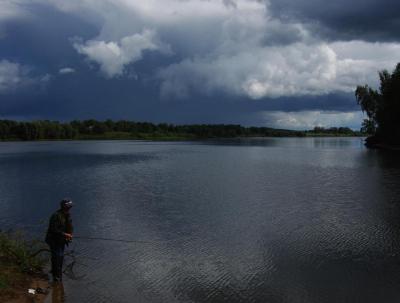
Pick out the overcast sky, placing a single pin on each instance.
(279, 63)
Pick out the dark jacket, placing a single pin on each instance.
(59, 224)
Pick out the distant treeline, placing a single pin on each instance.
(93, 129)
(334, 131)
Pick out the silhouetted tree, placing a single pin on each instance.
(382, 107)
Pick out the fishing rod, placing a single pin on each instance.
(111, 239)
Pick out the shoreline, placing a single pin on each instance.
(21, 269)
(374, 142)
(17, 292)
(181, 139)
(383, 146)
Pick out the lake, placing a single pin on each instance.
(272, 220)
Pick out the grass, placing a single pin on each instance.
(4, 281)
(18, 263)
(16, 250)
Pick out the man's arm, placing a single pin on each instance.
(70, 228)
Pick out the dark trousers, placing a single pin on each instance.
(57, 259)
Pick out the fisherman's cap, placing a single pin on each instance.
(66, 203)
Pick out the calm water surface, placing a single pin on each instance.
(258, 220)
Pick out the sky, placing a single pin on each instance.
(279, 63)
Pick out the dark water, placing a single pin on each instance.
(260, 220)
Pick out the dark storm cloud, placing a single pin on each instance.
(370, 20)
(43, 40)
(84, 95)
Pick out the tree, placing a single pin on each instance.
(368, 126)
(382, 106)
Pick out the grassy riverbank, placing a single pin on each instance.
(20, 269)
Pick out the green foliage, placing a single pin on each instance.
(4, 281)
(36, 130)
(382, 106)
(123, 129)
(16, 251)
(332, 131)
(368, 127)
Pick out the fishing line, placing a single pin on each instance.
(69, 269)
(111, 239)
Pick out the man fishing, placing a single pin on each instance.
(58, 235)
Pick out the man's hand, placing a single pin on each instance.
(68, 237)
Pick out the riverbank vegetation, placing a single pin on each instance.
(93, 129)
(333, 132)
(20, 266)
(382, 107)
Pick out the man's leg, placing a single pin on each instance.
(53, 261)
(57, 258)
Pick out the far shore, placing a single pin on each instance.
(147, 137)
(131, 130)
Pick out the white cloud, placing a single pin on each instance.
(309, 119)
(12, 76)
(11, 9)
(114, 56)
(66, 70)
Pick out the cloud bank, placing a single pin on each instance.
(294, 70)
